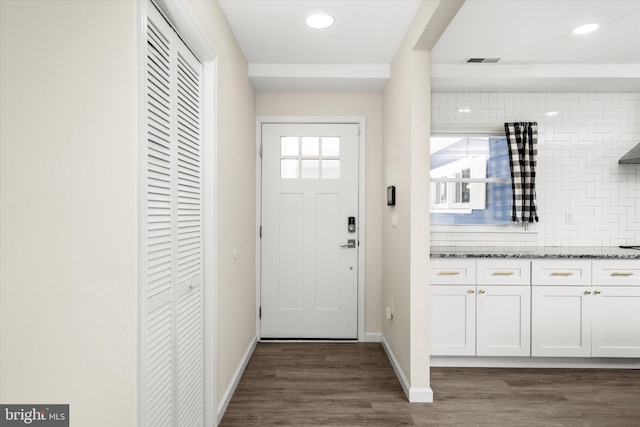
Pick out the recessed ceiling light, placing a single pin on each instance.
(464, 110)
(551, 113)
(320, 20)
(586, 28)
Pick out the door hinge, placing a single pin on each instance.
(260, 150)
(260, 313)
(260, 232)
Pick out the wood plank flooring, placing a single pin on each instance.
(353, 384)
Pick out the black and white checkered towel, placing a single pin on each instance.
(522, 139)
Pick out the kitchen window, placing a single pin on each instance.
(470, 180)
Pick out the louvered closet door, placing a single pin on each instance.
(158, 327)
(190, 357)
(173, 341)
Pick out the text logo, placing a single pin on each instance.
(34, 415)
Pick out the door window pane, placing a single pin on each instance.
(310, 146)
(311, 169)
(289, 169)
(310, 157)
(289, 146)
(330, 146)
(331, 169)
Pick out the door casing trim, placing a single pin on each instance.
(361, 121)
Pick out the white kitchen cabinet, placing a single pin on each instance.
(616, 308)
(561, 308)
(503, 307)
(580, 313)
(453, 320)
(503, 320)
(561, 321)
(615, 323)
(480, 308)
(453, 307)
(500, 271)
(565, 272)
(453, 272)
(621, 272)
(576, 308)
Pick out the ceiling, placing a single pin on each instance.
(531, 37)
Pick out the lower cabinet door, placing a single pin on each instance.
(453, 314)
(561, 321)
(503, 321)
(615, 322)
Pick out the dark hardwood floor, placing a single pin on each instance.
(353, 384)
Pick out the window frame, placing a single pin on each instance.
(467, 234)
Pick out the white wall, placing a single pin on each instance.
(396, 250)
(405, 164)
(68, 309)
(578, 151)
(68, 322)
(348, 104)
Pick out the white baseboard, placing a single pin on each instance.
(421, 395)
(372, 337)
(533, 362)
(414, 394)
(236, 379)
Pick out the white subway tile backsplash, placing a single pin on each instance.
(578, 152)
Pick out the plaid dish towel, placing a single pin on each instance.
(522, 139)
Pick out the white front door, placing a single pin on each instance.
(309, 266)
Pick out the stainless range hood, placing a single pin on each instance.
(632, 157)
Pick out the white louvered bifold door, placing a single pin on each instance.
(190, 357)
(158, 326)
(173, 340)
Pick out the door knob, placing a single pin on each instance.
(351, 243)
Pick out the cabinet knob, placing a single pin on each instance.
(482, 291)
(472, 291)
(598, 292)
(587, 292)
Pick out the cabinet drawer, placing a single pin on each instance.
(503, 272)
(616, 272)
(560, 272)
(453, 272)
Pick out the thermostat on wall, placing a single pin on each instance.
(391, 195)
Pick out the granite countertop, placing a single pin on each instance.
(584, 252)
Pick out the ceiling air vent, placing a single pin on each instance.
(482, 60)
